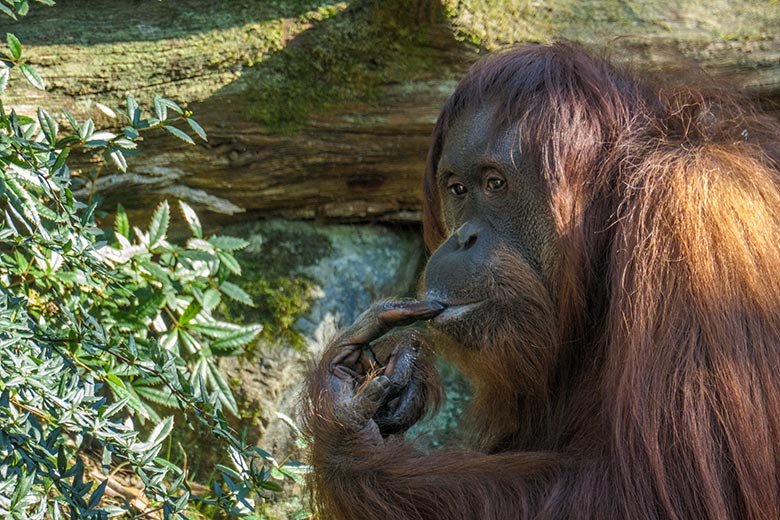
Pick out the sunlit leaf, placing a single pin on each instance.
(178, 133)
(14, 45)
(197, 129)
(121, 223)
(32, 76)
(158, 227)
(228, 243)
(48, 126)
(192, 219)
(106, 110)
(236, 293)
(240, 338)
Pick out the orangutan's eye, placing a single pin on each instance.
(495, 184)
(457, 189)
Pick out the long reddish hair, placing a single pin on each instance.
(668, 206)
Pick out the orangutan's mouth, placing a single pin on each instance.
(455, 311)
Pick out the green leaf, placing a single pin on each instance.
(216, 329)
(178, 133)
(192, 219)
(157, 396)
(72, 120)
(160, 432)
(32, 76)
(14, 45)
(94, 498)
(227, 243)
(131, 133)
(238, 339)
(119, 159)
(158, 227)
(170, 104)
(121, 222)
(218, 382)
(192, 345)
(211, 299)
(149, 306)
(230, 262)
(197, 129)
(121, 391)
(192, 310)
(271, 486)
(61, 158)
(8, 11)
(86, 130)
(106, 110)
(133, 112)
(236, 293)
(48, 126)
(160, 110)
(5, 73)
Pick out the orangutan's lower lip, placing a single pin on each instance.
(455, 312)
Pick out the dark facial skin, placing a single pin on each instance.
(497, 211)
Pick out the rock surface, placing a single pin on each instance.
(349, 267)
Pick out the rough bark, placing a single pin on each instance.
(316, 109)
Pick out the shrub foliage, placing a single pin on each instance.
(101, 329)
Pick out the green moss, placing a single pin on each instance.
(281, 297)
(494, 23)
(349, 56)
(186, 50)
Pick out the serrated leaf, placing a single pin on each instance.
(192, 219)
(216, 329)
(32, 76)
(192, 345)
(228, 243)
(125, 144)
(157, 396)
(238, 339)
(121, 222)
(230, 262)
(149, 306)
(211, 299)
(192, 310)
(236, 293)
(14, 45)
(158, 227)
(178, 133)
(48, 126)
(218, 382)
(199, 131)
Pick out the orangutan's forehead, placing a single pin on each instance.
(475, 133)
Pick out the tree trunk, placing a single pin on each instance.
(326, 112)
